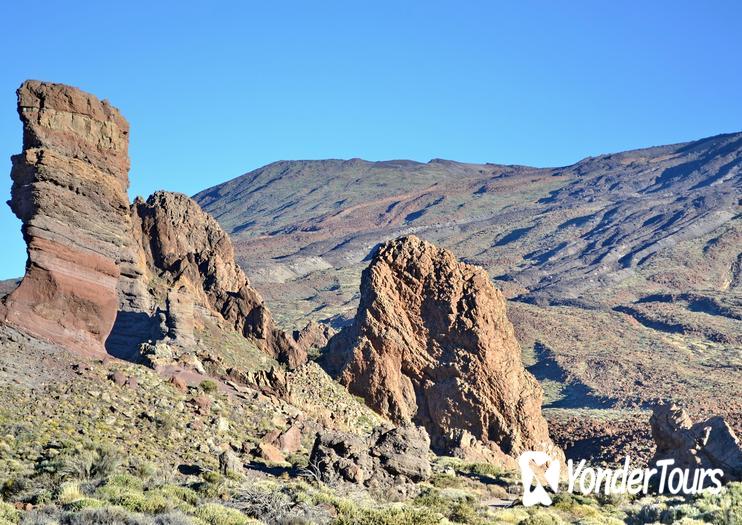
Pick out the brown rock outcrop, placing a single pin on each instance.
(148, 270)
(709, 444)
(69, 189)
(193, 259)
(431, 343)
(313, 336)
(390, 459)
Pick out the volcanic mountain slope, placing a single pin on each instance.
(625, 267)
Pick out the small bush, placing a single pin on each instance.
(9, 513)
(270, 506)
(126, 481)
(352, 515)
(444, 481)
(215, 514)
(208, 386)
(69, 491)
(177, 493)
(174, 518)
(481, 469)
(143, 469)
(84, 503)
(104, 516)
(12, 487)
(134, 500)
(75, 462)
(542, 518)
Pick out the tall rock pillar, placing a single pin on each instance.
(70, 190)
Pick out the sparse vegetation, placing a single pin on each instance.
(208, 386)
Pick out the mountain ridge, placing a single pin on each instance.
(591, 255)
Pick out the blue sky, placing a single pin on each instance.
(213, 91)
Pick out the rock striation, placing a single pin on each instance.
(431, 344)
(69, 190)
(709, 444)
(106, 276)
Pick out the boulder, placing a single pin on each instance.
(314, 336)
(402, 451)
(179, 382)
(431, 344)
(230, 464)
(70, 192)
(388, 459)
(710, 444)
(269, 453)
(270, 382)
(118, 377)
(289, 441)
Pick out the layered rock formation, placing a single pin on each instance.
(431, 343)
(69, 189)
(94, 260)
(192, 259)
(709, 444)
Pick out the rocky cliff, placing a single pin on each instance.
(192, 258)
(69, 189)
(431, 343)
(95, 263)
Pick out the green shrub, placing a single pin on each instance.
(208, 386)
(84, 503)
(100, 516)
(444, 481)
(126, 481)
(464, 512)
(540, 517)
(12, 487)
(68, 492)
(178, 493)
(134, 500)
(215, 514)
(9, 513)
(71, 461)
(353, 515)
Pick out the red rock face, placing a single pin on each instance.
(92, 258)
(431, 343)
(188, 250)
(69, 189)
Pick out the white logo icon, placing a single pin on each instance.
(538, 495)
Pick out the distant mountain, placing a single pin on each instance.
(7, 286)
(638, 250)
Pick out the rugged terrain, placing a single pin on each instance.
(623, 270)
(145, 380)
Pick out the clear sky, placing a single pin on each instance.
(215, 89)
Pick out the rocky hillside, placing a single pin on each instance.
(624, 268)
(145, 381)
